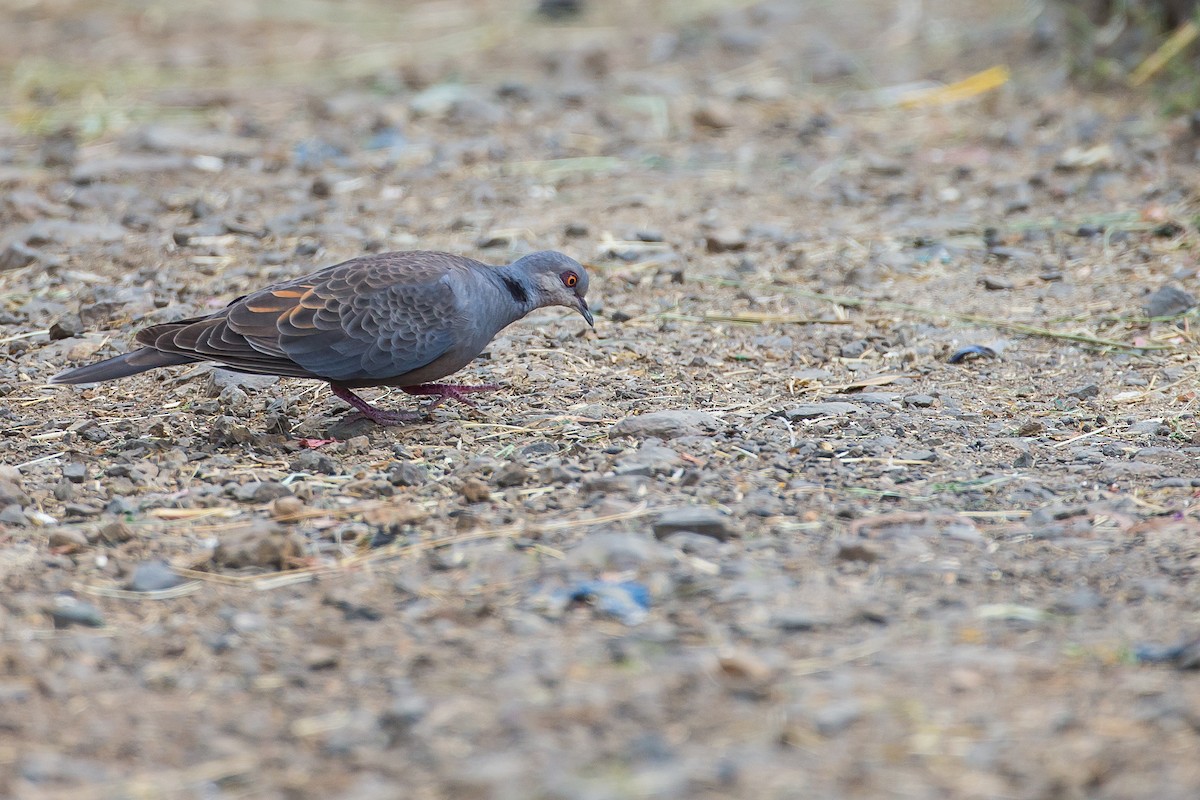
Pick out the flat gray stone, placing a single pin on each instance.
(67, 610)
(697, 519)
(877, 398)
(919, 400)
(1084, 392)
(12, 494)
(15, 255)
(794, 620)
(666, 424)
(1169, 301)
(1131, 469)
(815, 410)
(154, 576)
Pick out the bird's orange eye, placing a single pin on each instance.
(570, 279)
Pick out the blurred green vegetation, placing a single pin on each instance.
(1109, 39)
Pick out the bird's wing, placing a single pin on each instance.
(210, 338)
(373, 318)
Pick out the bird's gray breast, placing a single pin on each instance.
(417, 325)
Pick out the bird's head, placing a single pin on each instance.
(556, 280)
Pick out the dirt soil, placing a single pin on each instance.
(875, 479)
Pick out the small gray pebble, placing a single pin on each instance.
(153, 576)
(762, 504)
(539, 449)
(511, 474)
(837, 717)
(696, 544)
(1084, 392)
(260, 491)
(406, 473)
(1149, 427)
(815, 410)
(67, 611)
(1169, 301)
(919, 401)
(854, 349)
(312, 461)
(64, 490)
(1171, 483)
(13, 515)
(75, 472)
(793, 620)
(697, 519)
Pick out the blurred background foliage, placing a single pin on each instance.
(1109, 40)
(82, 63)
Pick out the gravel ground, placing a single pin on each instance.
(876, 478)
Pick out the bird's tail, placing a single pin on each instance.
(121, 366)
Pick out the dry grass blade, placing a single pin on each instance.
(182, 514)
(1004, 513)
(41, 460)
(1074, 439)
(811, 666)
(887, 460)
(866, 383)
(307, 513)
(1184, 35)
(558, 167)
(25, 335)
(182, 590)
(971, 86)
(1136, 397)
(261, 583)
(752, 318)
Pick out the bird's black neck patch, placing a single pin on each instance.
(516, 289)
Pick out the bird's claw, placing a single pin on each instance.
(365, 410)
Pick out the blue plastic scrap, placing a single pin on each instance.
(627, 601)
(1185, 655)
(389, 139)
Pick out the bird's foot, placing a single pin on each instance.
(367, 411)
(448, 391)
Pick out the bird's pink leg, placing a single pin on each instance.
(376, 415)
(448, 391)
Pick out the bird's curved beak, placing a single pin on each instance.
(583, 310)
